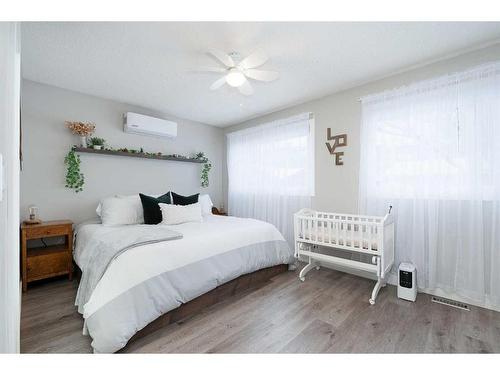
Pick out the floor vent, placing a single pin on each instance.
(449, 302)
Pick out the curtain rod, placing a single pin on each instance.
(450, 79)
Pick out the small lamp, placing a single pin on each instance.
(33, 216)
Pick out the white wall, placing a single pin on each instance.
(10, 298)
(337, 186)
(45, 142)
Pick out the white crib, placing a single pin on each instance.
(371, 235)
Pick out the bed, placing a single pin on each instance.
(146, 281)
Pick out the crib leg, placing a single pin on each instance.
(306, 269)
(317, 264)
(380, 283)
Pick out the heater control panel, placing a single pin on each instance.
(407, 282)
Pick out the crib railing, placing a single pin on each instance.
(355, 233)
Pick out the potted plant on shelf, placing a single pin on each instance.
(97, 143)
(83, 129)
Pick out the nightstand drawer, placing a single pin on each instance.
(47, 265)
(51, 231)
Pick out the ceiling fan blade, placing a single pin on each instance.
(222, 57)
(261, 75)
(256, 59)
(220, 82)
(246, 88)
(211, 69)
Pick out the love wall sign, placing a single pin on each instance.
(333, 142)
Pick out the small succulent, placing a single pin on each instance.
(201, 156)
(96, 141)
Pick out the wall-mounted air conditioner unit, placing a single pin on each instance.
(146, 125)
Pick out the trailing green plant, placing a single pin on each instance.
(207, 165)
(74, 178)
(96, 141)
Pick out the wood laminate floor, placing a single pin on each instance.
(328, 313)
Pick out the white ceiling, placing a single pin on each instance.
(151, 64)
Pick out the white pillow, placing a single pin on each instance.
(177, 214)
(206, 204)
(135, 200)
(124, 210)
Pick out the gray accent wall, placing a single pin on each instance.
(46, 141)
(337, 186)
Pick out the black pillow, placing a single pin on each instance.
(152, 212)
(184, 201)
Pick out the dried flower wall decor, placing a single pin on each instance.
(83, 129)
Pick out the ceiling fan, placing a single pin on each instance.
(236, 70)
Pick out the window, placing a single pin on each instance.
(271, 170)
(274, 158)
(437, 139)
(432, 151)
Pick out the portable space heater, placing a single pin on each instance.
(407, 282)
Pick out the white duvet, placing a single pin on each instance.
(145, 282)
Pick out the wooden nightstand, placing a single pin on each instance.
(46, 261)
(216, 211)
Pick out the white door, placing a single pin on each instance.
(10, 78)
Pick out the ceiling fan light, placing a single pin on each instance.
(235, 78)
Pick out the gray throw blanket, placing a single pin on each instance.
(104, 247)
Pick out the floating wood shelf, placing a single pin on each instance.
(136, 155)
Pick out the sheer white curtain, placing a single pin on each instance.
(432, 150)
(271, 171)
